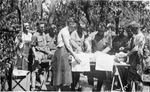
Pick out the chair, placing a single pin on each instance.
(20, 80)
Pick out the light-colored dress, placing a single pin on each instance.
(79, 41)
(61, 68)
(24, 50)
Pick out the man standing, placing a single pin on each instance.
(99, 42)
(135, 54)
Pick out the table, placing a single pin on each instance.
(93, 63)
(118, 75)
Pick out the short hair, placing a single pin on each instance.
(40, 22)
(25, 24)
(70, 20)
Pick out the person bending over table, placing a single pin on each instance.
(99, 43)
(61, 67)
(120, 41)
(136, 46)
(77, 43)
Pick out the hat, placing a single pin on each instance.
(40, 22)
(71, 19)
(134, 24)
(110, 25)
(25, 24)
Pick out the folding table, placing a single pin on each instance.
(118, 75)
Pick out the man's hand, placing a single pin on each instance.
(121, 48)
(78, 50)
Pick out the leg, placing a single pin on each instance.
(33, 78)
(112, 85)
(99, 84)
(90, 75)
(101, 77)
(76, 77)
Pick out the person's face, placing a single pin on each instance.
(72, 26)
(82, 24)
(54, 29)
(42, 27)
(121, 32)
(112, 28)
(26, 26)
(129, 32)
(135, 30)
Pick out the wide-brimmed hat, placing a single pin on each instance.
(110, 25)
(134, 24)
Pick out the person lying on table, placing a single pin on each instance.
(101, 43)
(61, 67)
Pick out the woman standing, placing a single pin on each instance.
(23, 42)
(61, 68)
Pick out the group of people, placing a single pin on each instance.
(47, 44)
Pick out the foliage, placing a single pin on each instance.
(96, 11)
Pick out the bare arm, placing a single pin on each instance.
(67, 45)
(106, 50)
(34, 39)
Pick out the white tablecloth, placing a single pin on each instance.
(84, 65)
(104, 62)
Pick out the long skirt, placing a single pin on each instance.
(22, 62)
(61, 68)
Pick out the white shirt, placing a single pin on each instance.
(63, 32)
(25, 37)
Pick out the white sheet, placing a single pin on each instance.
(104, 62)
(84, 65)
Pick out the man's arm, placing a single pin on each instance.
(108, 44)
(33, 43)
(106, 50)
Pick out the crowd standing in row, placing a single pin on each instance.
(57, 46)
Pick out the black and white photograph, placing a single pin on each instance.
(75, 45)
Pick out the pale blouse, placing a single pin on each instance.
(63, 32)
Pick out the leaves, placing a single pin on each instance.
(95, 11)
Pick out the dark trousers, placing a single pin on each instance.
(123, 71)
(75, 80)
(101, 75)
